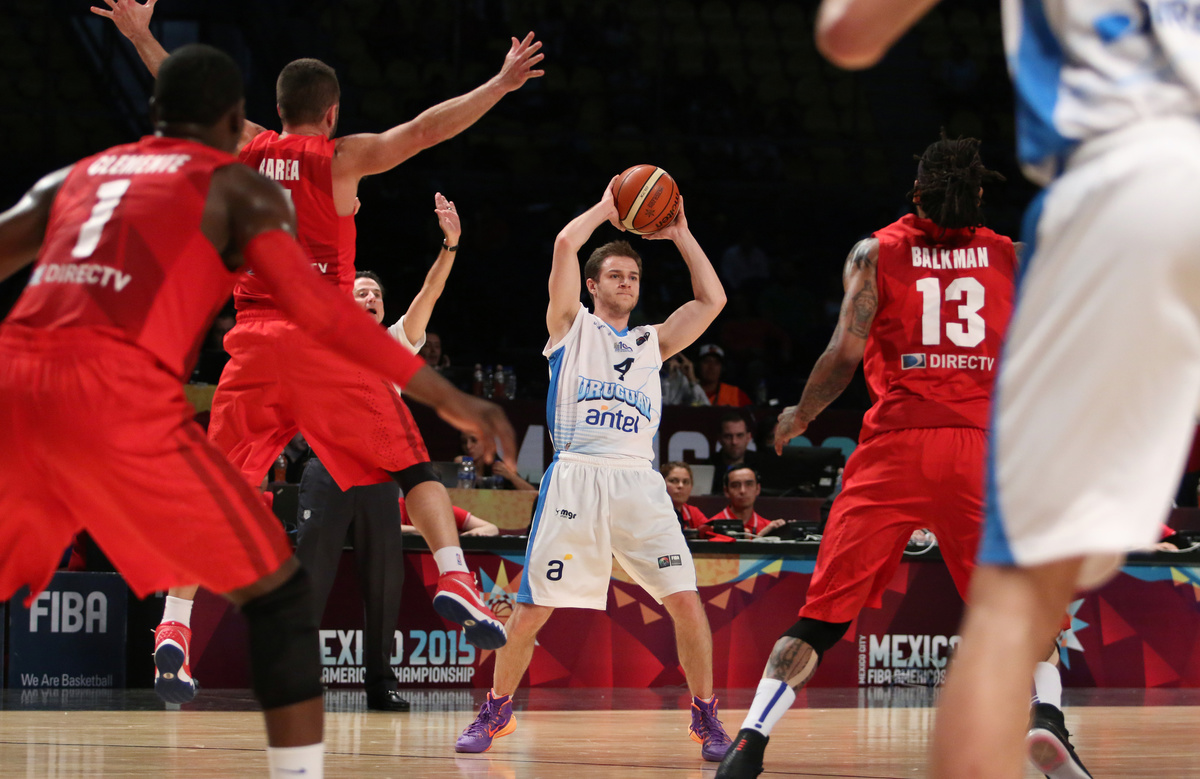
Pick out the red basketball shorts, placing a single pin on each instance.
(97, 437)
(895, 483)
(279, 381)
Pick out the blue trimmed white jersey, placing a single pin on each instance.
(1082, 68)
(605, 398)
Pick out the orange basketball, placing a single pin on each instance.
(647, 199)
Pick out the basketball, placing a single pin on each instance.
(647, 199)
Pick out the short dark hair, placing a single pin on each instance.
(949, 175)
(666, 468)
(742, 467)
(591, 268)
(734, 416)
(197, 84)
(305, 90)
(370, 274)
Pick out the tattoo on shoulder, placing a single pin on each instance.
(862, 256)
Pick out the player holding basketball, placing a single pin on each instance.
(276, 382)
(600, 498)
(1108, 99)
(137, 248)
(926, 302)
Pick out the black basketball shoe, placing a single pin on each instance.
(744, 760)
(1048, 745)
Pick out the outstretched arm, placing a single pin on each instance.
(369, 153)
(421, 308)
(855, 34)
(23, 227)
(260, 221)
(692, 318)
(133, 20)
(835, 368)
(564, 272)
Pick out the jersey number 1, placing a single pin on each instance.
(108, 195)
(931, 314)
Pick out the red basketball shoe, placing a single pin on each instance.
(457, 599)
(172, 663)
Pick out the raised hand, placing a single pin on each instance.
(676, 229)
(608, 202)
(447, 219)
(518, 63)
(788, 427)
(131, 17)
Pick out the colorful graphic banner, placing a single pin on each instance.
(1142, 629)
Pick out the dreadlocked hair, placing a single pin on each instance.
(949, 176)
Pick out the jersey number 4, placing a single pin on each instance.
(108, 196)
(966, 289)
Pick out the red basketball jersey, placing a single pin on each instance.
(945, 297)
(302, 165)
(124, 258)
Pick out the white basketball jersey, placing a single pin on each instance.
(605, 398)
(1082, 68)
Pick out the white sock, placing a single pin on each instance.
(450, 559)
(1047, 685)
(771, 701)
(178, 610)
(291, 762)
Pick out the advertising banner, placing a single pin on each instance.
(1142, 629)
(72, 636)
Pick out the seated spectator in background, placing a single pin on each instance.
(468, 524)
(432, 352)
(735, 441)
(712, 362)
(742, 490)
(678, 476)
(680, 387)
(508, 477)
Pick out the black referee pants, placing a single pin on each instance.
(324, 516)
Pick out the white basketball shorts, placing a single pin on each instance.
(1100, 379)
(590, 510)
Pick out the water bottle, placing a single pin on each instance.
(488, 377)
(498, 383)
(510, 382)
(279, 472)
(477, 381)
(466, 473)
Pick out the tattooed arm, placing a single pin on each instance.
(835, 368)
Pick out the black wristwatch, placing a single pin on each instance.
(449, 248)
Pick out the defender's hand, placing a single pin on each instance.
(131, 17)
(518, 64)
(788, 427)
(481, 418)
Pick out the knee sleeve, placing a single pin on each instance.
(285, 660)
(415, 474)
(821, 636)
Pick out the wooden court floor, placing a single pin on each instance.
(576, 734)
